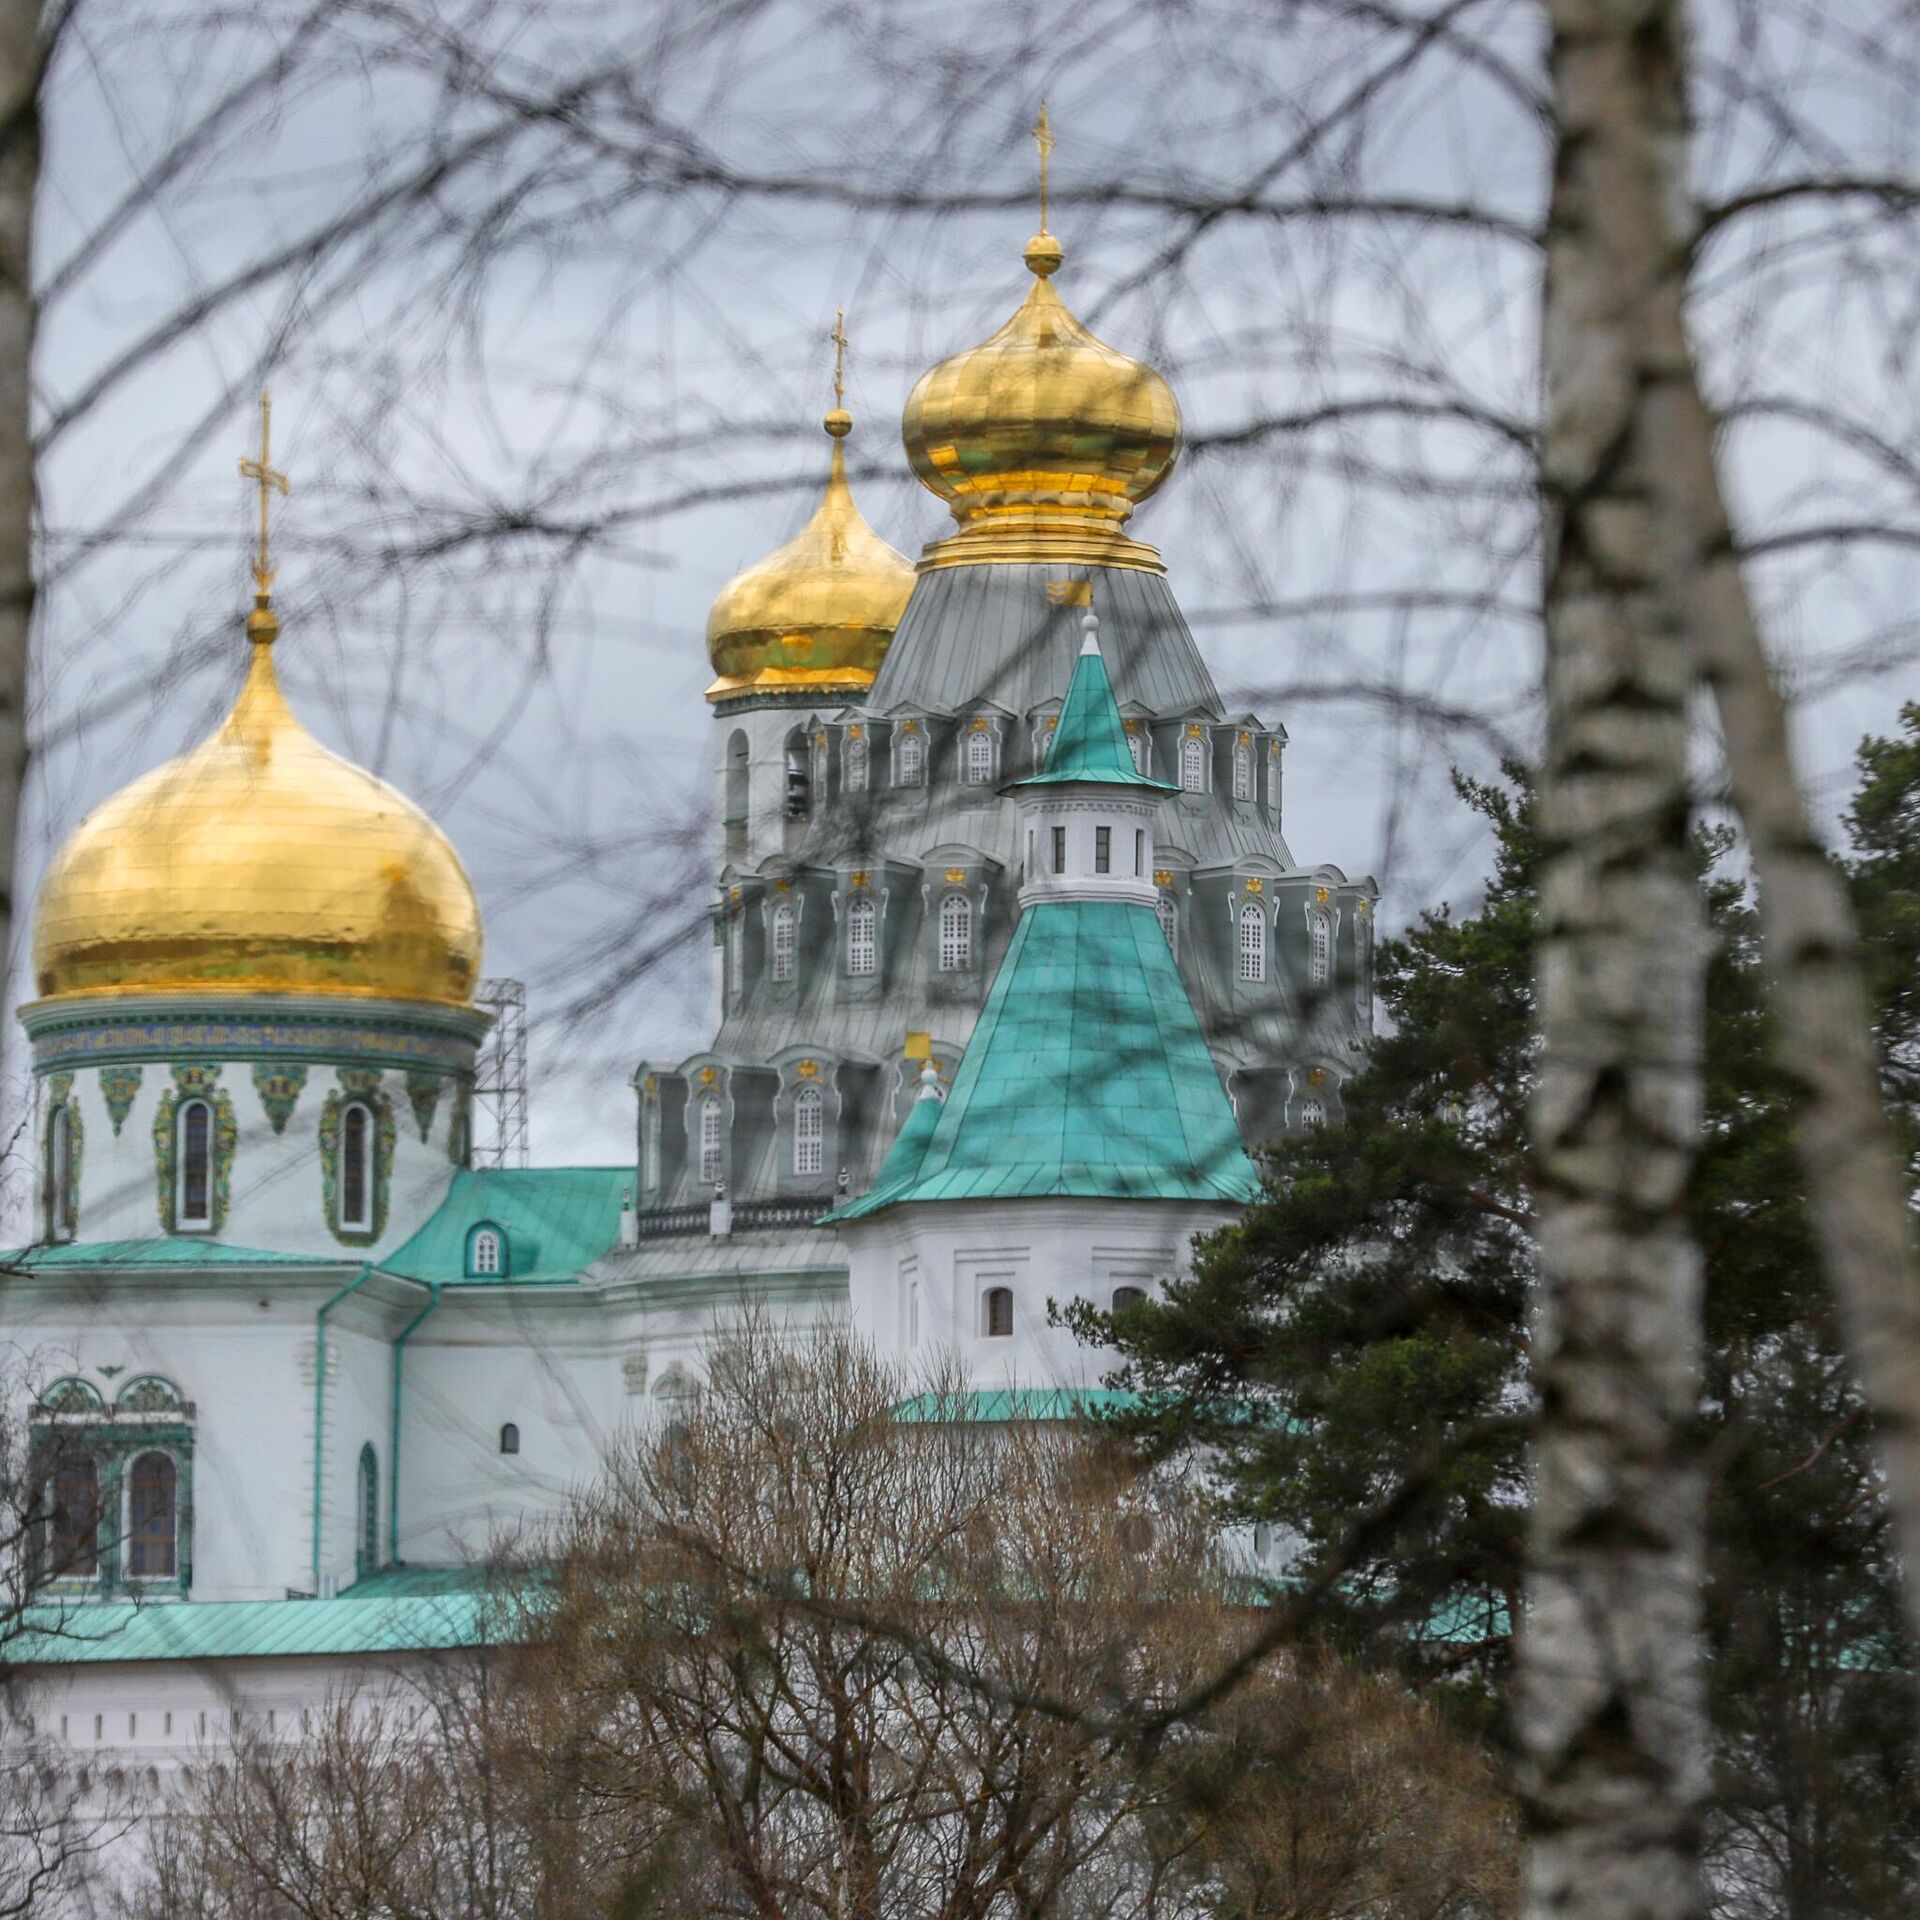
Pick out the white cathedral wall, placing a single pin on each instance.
(276, 1191)
(919, 1276)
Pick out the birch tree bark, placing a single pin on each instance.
(21, 65)
(1610, 1704)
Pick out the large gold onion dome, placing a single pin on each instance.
(817, 614)
(259, 861)
(1042, 439)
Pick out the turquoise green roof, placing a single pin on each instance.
(1087, 1075)
(1000, 1406)
(558, 1221)
(1090, 740)
(181, 1251)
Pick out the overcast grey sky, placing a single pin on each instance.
(606, 339)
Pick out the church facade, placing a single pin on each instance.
(1012, 966)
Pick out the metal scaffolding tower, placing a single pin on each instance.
(500, 1077)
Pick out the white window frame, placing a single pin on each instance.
(910, 758)
(1251, 945)
(956, 933)
(1313, 1111)
(987, 1297)
(483, 1253)
(1141, 744)
(857, 764)
(1167, 911)
(201, 1222)
(978, 757)
(863, 938)
(736, 949)
(1193, 764)
(785, 940)
(713, 1140)
(1319, 947)
(1242, 772)
(809, 1131)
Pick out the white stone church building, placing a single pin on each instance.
(1012, 964)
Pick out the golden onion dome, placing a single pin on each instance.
(1042, 439)
(259, 861)
(816, 615)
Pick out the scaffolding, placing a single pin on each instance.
(500, 1077)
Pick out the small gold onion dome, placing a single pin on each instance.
(817, 614)
(259, 861)
(1042, 439)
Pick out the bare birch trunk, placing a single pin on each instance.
(1611, 1708)
(21, 59)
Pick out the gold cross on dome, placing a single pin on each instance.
(1043, 139)
(261, 470)
(840, 344)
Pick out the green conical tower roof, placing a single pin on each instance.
(1090, 740)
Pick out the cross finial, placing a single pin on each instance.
(1043, 139)
(839, 338)
(261, 471)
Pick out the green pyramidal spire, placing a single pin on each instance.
(1090, 741)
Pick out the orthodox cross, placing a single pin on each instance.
(839, 338)
(1043, 139)
(261, 470)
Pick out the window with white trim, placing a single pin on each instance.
(193, 1146)
(863, 943)
(1141, 742)
(1253, 942)
(1193, 764)
(1059, 849)
(736, 952)
(650, 1147)
(712, 1159)
(483, 1253)
(1103, 849)
(1242, 772)
(909, 758)
(1139, 851)
(783, 940)
(1169, 916)
(996, 1313)
(956, 934)
(857, 765)
(809, 1131)
(1313, 1112)
(356, 1168)
(979, 758)
(1319, 948)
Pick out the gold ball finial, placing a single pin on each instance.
(263, 624)
(1043, 255)
(839, 423)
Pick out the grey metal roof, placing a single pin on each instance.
(978, 633)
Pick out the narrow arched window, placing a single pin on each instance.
(739, 775)
(509, 1438)
(1193, 764)
(736, 952)
(1320, 948)
(820, 764)
(356, 1168)
(1242, 772)
(1125, 1297)
(711, 1159)
(956, 934)
(911, 758)
(863, 946)
(1253, 943)
(857, 764)
(73, 1537)
(979, 757)
(997, 1313)
(62, 1208)
(799, 795)
(783, 941)
(1169, 917)
(153, 1511)
(483, 1253)
(194, 1146)
(366, 1533)
(650, 1148)
(1141, 744)
(809, 1131)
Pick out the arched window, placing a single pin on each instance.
(366, 1532)
(736, 951)
(1141, 743)
(1125, 1297)
(863, 946)
(997, 1313)
(1193, 764)
(193, 1205)
(856, 762)
(910, 757)
(809, 1132)
(1242, 771)
(783, 941)
(979, 757)
(739, 773)
(1319, 948)
(153, 1503)
(1313, 1112)
(73, 1537)
(711, 1159)
(62, 1186)
(509, 1438)
(956, 934)
(486, 1253)
(1169, 916)
(356, 1168)
(820, 763)
(799, 795)
(1253, 942)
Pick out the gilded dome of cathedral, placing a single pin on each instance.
(1043, 439)
(819, 612)
(258, 861)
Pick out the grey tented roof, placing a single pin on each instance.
(977, 633)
